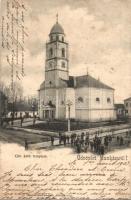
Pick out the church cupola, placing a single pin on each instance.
(57, 32)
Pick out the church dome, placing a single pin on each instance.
(57, 28)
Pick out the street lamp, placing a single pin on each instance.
(33, 109)
(69, 103)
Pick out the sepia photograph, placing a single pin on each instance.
(65, 100)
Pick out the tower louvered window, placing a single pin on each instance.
(63, 52)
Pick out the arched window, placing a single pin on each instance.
(51, 38)
(97, 99)
(57, 38)
(108, 100)
(51, 52)
(63, 64)
(50, 83)
(62, 39)
(63, 52)
(80, 99)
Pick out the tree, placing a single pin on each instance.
(14, 93)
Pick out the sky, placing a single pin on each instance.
(99, 37)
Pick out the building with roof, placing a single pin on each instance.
(120, 110)
(127, 103)
(62, 96)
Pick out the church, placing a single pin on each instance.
(61, 96)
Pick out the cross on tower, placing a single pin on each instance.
(57, 18)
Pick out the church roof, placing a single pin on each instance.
(128, 99)
(119, 105)
(85, 80)
(42, 85)
(57, 28)
(80, 81)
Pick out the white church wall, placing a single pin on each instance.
(101, 115)
(51, 79)
(103, 95)
(61, 103)
(87, 108)
(50, 96)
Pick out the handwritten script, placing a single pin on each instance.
(13, 37)
(83, 177)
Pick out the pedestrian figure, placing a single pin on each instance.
(21, 120)
(98, 132)
(82, 142)
(52, 140)
(68, 139)
(34, 120)
(110, 138)
(12, 118)
(106, 142)
(87, 141)
(71, 139)
(82, 136)
(16, 115)
(92, 145)
(26, 144)
(73, 136)
(121, 141)
(102, 150)
(85, 148)
(77, 140)
(98, 145)
(64, 140)
(130, 133)
(78, 147)
(128, 143)
(59, 138)
(117, 138)
(87, 134)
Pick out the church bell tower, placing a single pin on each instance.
(56, 65)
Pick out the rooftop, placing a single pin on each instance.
(57, 28)
(119, 105)
(81, 81)
(128, 99)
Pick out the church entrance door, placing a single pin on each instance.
(48, 113)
